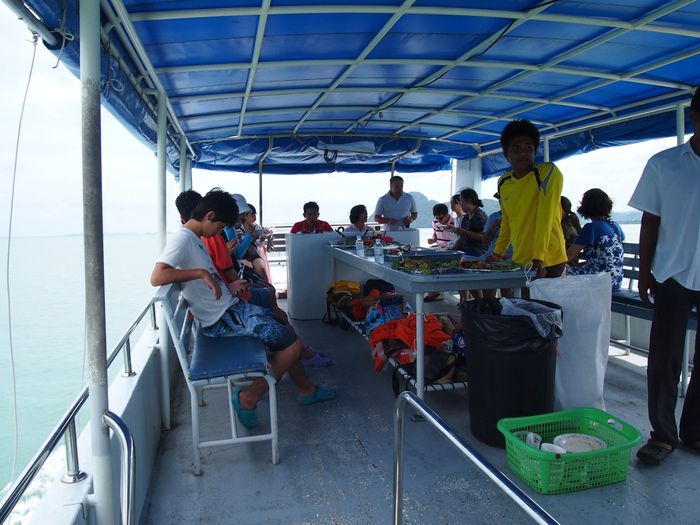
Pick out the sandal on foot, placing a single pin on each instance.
(317, 360)
(321, 394)
(246, 416)
(654, 452)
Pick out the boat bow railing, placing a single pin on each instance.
(66, 428)
(537, 513)
(126, 441)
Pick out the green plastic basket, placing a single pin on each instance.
(550, 473)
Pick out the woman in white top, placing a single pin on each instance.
(358, 220)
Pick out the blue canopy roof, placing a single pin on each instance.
(281, 83)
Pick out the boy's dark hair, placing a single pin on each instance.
(221, 203)
(395, 178)
(439, 209)
(468, 194)
(519, 128)
(595, 203)
(356, 211)
(186, 203)
(311, 205)
(695, 101)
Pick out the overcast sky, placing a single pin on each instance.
(48, 189)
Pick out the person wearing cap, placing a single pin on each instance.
(247, 250)
(311, 222)
(669, 271)
(530, 204)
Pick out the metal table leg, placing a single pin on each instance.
(420, 347)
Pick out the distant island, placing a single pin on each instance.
(425, 211)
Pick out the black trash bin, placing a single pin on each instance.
(510, 364)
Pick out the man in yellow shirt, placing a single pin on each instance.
(530, 204)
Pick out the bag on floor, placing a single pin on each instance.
(583, 347)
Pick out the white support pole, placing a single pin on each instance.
(189, 174)
(545, 147)
(164, 336)
(467, 174)
(680, 125)
(183, 163)
(160, 154)
(94, 259)
(260, 193)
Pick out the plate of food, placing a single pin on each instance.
(579, 442)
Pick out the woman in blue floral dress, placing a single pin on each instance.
(600, 240)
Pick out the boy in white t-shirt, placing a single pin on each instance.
(669, 271)
(221, 313)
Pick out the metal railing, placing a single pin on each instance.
(126, 441)
(537, 513)
(66, 427)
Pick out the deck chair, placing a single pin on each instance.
(216, 363)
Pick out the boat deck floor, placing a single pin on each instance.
(336, 459)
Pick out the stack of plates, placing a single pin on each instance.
(579, 442)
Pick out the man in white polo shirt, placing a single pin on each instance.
(396, 209)
(669, 271)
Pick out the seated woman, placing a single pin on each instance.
(358, 220)
(601, 239)
(311, 222)
(252, 254)
(471, 225)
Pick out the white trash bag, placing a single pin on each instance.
(583, 348)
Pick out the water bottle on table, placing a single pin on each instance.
(359, 246)
(378, 252)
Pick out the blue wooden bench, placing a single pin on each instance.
(626, 301)
(216, 363)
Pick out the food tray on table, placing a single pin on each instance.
(551, 473)
(449, 262)
(478, 265)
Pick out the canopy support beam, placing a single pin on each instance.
(32, 22)
(680, 124)
(164, 336)
(261, 163)
(183, 163)
(95, 320)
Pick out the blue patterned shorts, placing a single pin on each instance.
(248, 319)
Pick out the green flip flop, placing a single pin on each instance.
(246, 416)
(321, 394)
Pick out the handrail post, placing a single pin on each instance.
(398, 460)
(537, 513)
(154, 319)
(128, 371)
(128, 471)
(73, 473)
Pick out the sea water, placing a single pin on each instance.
(47, 307)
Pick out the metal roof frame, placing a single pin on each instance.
(204, 111)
